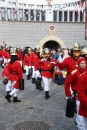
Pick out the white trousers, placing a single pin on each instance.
(37, 74)
(9, 86)
(13, 90)
(79, 119)
(47, 82)
(5, 61)
(27, 69)
(33, 74)
(85, 123)
(0, 59)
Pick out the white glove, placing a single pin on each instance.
(43, 59)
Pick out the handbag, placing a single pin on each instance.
(70, 108)
(21, 84)
(5, 81)
(30, 71)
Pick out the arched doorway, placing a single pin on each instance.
(51, 44)
(56, 41)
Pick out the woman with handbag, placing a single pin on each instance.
(70, 86)
(14, 76)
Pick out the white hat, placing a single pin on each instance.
(76, 46)
(13, 51)
(84, 51)
(46, 50)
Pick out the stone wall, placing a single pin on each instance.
(31, 33)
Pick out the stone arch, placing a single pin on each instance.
(53, 38)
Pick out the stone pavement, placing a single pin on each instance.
(34, 107)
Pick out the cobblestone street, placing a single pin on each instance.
(34, 107)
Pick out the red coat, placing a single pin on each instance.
(32, 57)
(71, 81)
(0, 53)
(47, 67)
(69, 64)
(13, 71)
(7, 55)
(37, 63)
(82, 94)
(19, 55)
(26, 60)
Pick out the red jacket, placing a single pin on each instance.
(71, 81)
(82, 94)
(0, 53)
(32, 57)
(47, 67)
(37, 63)
(19, 55)
(69, 64)
(13, 71)
(26, 60)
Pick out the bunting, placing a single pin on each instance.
(65, 5)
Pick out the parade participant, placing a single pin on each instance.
(32, 55)
(19, 54)
(37, 67)
(70, 62)
(82, 96)
(6, 72)
(13, 76)
(71, 84)
(26, 62)
(47, 69)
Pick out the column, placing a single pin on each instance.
(68, 16)
(23, 14)
(40, 15)
(73, 13)
(6, 13)
(34, 15)
(78, 17)
(0, 13)
(12, 13)
(18, 14)
(62, 15)
(57, 15)
(83, 16)
(29, 15)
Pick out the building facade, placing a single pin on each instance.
(53, 28)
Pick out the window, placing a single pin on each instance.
(55, 15)
(65, 16)
(3, 13)
(37, 15)
(9, 14)
(81, 16)
(32, 15)
(20, 14)
(43, 15)
(60, 15)
(76, 16)
(26, 14)
(70, 16)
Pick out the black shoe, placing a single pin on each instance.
(47, 95)
(28, 77)
(8, 97)
(33, 80)
(15, 99)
